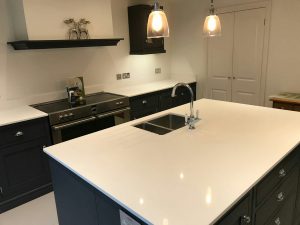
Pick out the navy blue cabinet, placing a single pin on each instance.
(147, 104)
(24, 169)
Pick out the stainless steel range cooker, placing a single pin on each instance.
(102, 110)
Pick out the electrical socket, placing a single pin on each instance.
(126, 75)
(119, 76)
(157, 70)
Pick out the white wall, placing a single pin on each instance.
(189, 48)
(284, 50)
(39, 75)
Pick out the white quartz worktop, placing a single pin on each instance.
(135, 90)
(14, 114)
(186, 177)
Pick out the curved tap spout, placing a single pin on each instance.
(192, 96)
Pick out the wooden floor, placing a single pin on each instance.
(40, 211)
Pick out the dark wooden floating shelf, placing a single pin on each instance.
(48, 44)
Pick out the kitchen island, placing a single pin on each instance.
(125, 175)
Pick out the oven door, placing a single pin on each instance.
(67, 131)
(70, 130)
(113, 118)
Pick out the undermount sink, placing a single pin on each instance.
(163, 125)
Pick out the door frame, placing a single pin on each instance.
(248, 6)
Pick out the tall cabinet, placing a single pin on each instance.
(235, 59)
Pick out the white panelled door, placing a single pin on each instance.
(220, 61)
(235, 59)
(248, 55)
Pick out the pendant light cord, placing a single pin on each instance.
(212, 8)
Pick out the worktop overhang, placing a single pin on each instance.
(184, 177)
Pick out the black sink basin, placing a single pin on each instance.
(170, 121)
(153, 128)
(163, 125)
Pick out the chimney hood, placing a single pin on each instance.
(39, 24)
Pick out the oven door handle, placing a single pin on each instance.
(103, 115)
(74, 123)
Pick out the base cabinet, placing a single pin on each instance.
(24, 169)
(79, 203)
(144, 105)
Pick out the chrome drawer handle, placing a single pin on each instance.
(144, 101)
(246, 219)
(277, 221)
(282, 173)
(280, 197)
(19, 134)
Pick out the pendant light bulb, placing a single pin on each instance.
(157, 26)
(212, 24)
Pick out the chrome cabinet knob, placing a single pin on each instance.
(144, 102)
(282, 173)
(245, 220)
(19, 134)
(277, 221)
(280, 197)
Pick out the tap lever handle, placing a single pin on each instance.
(186, 118)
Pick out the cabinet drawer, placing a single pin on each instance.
(285, 214)
(278, 198)
(267, 185)
(146, 101)
(22, 132)
(240, 215)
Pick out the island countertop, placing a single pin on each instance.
(186, 177)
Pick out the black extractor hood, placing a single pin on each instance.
(49, 44)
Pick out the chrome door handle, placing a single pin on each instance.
(71, 124)
(282, 173)
(127, 109)
(1, 190)
(19, 134)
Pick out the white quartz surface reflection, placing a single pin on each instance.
(184, 177)
(14, 114)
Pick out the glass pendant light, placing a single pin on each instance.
(212, 24)
(157, 26)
